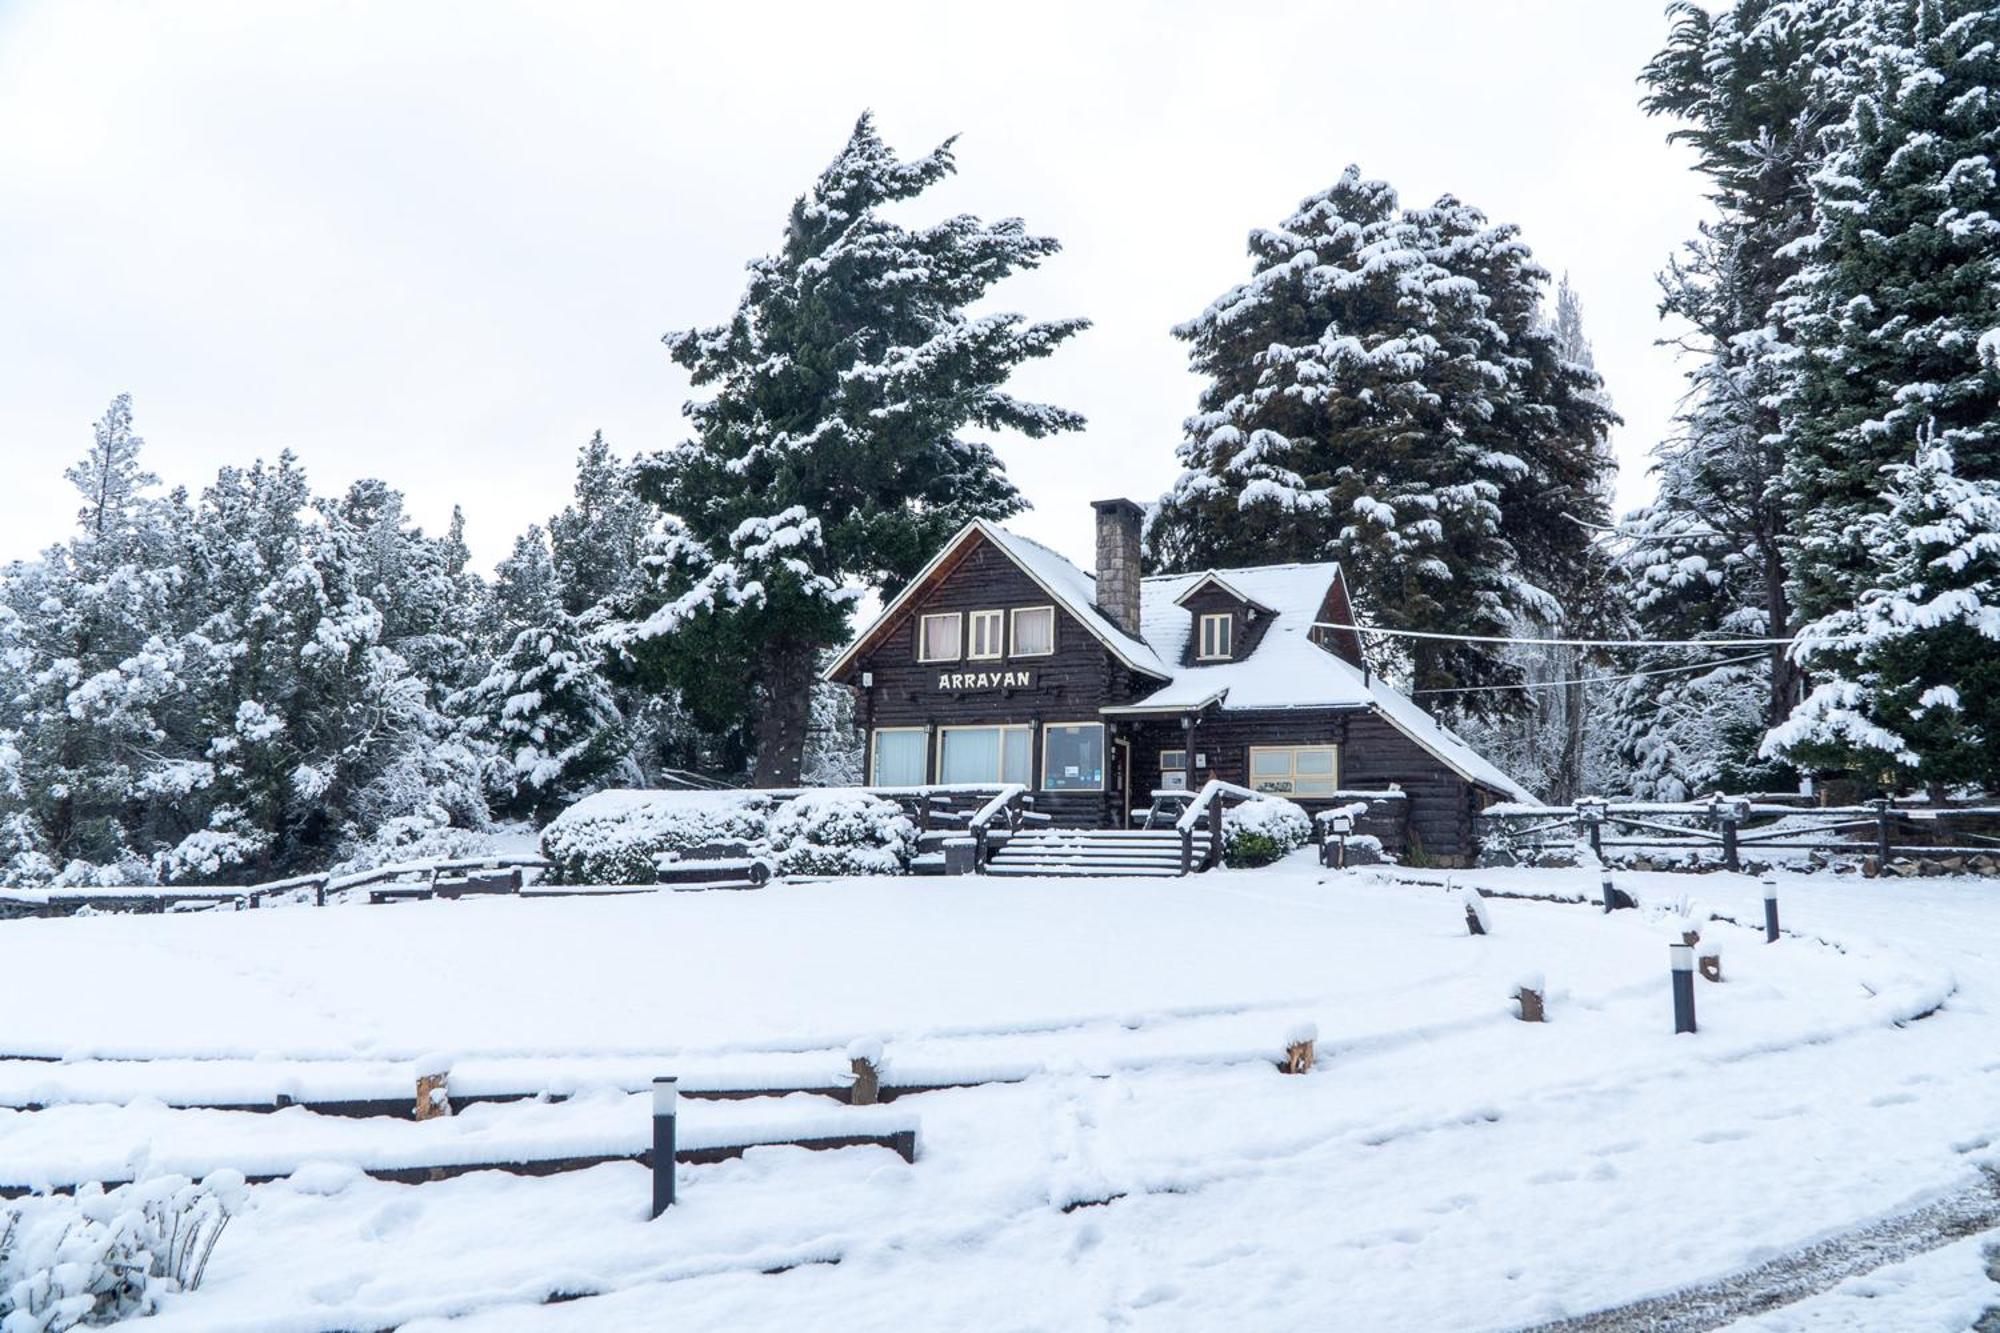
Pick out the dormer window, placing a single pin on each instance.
(1218, 633)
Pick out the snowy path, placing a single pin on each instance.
(1444, 1167)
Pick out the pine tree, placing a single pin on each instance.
(1744, 85)
(1384, 391)
(1908, 680)
(1900, 283)
(599, 539)
(839, 390)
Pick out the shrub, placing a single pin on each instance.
(842, 832)
(615, 837)
(1258, 832)
(100, 1256)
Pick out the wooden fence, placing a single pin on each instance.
(1729, 827)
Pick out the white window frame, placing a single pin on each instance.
(1014, 631)
(1028, 733)
(973, 620)
(1226, 636)
(874, 755)
(1104, 748)
(957, 618)
(1292, 751)
(1166, 767)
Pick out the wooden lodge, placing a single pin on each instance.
(1003, 662)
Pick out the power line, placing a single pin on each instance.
(1591, 643)
(1594, 680)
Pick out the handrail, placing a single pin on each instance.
(1211, 789)
(983, 818)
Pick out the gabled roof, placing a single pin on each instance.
(1066, 585)
(1211, 577)
(1287, 669)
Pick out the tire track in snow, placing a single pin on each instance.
(1803, 1272)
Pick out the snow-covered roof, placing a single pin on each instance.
(1285, 670)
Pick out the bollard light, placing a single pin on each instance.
(1681, 958)
(666, 1105)
(1770, 911)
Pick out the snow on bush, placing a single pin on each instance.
(100, 1256)
(614, 837)
(1258, 832)
(842, 832)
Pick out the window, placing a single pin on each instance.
(984, 634)
(1216, 634)
(1295, 770)
(1034, 631)
(985, 754)
(1073, 756)
(899, 757)
(1173, 770)
(938, 636)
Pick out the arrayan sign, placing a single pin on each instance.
(986, 680)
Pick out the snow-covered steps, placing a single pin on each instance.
(1089, 852)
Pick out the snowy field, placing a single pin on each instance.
(1143, 1163)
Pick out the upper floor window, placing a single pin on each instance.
(985, 628)
(938, 637)
(1034, 631)
(1217, 635)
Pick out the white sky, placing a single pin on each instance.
(439, 243)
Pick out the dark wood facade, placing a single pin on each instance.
(1084, 674)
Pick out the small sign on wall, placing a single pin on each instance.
(986, 680)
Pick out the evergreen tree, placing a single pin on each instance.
(840, 390)
(1901, 280)
(599, 539)
(1744, 87)
(549, 715)
(1385, 391)
(1907, 681)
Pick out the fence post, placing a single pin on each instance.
(1590, 810)
(666, 1106)
(1215, 832)
(1882, 804)
(1770, 911)
(1187, 851)
(1681, 958)
(1727, 814)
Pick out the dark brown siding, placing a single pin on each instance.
(1070, 685)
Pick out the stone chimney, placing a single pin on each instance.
(1118, 562)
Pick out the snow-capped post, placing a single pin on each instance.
(1770, 911)
(1681, 959)
(1709, 963)
(1335, 854)
(1883, 805)
(433, 1092)
(1727, 814)
(1614, 897)
(666, 1106)
(1529, 995)
(864, 1056)
(1300, 1048)
(1590, 809)
(1477, 922)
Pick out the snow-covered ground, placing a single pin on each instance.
(1444, 1166)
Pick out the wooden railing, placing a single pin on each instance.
(1209, 805)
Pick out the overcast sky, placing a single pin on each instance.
(439, 243)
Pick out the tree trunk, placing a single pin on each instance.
(1569, 771)
(1786, 679)
(784, 710)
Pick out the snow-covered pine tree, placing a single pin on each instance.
(1900, 282)
(1385, 392)
(1907, 681)
(544, 706)
(1744, 87)
(830, 451)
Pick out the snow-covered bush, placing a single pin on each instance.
(614, 837)
(100, 1256)
(842, 832)
(1258, 832)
